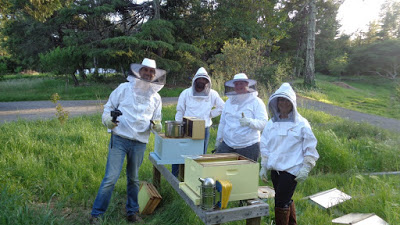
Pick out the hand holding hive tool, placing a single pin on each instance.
(156, 125)
(244, 121)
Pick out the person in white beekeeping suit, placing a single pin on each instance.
(199, 101)
(139, 103)
(243, 118)
(288, 149)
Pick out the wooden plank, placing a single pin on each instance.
(232, 156)
(253, 221)
(216, 216)
(225, 163)
(181, 173)
(156, 178)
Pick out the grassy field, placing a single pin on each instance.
(373, 95)
(41, 87)
(51, 173)
(369, 94)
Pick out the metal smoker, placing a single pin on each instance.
(207, 193)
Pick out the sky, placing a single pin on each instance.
(356, 14)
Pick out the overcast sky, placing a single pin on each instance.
(356, 14)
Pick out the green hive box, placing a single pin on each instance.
(239, 170)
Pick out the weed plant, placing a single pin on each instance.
(51, 173)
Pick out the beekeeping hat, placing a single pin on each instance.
(240, 77)
(159, 76)
(230, 85)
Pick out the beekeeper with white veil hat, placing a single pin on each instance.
(138, 103)
(288, 149)
(199, 101)
(242, 119)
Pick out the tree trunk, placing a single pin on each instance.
(76, 82)
(156, 6)
(309, 76)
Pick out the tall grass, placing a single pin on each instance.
(51, 173)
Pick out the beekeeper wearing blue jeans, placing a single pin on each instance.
(288, 150)
(139, 103)
(243, 118)
(199, 101)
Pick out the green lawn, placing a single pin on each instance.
(51, 173)
(368, 94)
(42, 87)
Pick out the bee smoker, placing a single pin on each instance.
(208, 194)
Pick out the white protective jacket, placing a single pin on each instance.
(284, 144)
(231, 132)
(137, 110)
(199, 105)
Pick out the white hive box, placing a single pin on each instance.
(239, 170)
(171, 150)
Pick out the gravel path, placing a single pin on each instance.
(11, 111)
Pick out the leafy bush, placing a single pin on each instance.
(338, 65)
(239, 56)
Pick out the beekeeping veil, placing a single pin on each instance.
(201, 73)
(145, 82)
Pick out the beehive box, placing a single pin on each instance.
(239, 170)
(148, 198)
(171, 150)
(194, 127)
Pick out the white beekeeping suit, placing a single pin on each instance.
(139, 103)
(244, 115)
(286, 144)
(205, 105)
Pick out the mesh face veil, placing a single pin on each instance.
(148, 79)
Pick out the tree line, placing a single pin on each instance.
(270, 40)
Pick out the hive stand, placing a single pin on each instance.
(252, 213)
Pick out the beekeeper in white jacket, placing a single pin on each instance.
(199, 101)
(139, 103)
(288, 149)
(243, 118)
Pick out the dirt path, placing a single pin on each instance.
(12, 111)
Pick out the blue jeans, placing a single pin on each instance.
(175, 167)
(120, 148)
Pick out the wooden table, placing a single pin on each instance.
(252, 213)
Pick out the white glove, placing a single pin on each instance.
(244, 121)
(157, 127)
(303, 174)
(264, 174)
(308, 164)
(108, 123)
